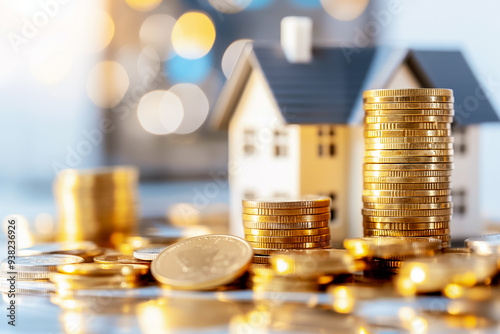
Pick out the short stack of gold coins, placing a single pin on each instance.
(97, 204)
(408, 163)
(286, 224)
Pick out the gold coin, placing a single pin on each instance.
(270, 252)
(408, 119)
(408, 160)
(392, 247)
(406, 226)
(261, 259)
(425, 98)
(404, 233)
(379, 206)
(277, 245)
(407, 153)
(203, 262)
(303, 239)
(307, 201)
(388, 264)
(408, 140)
(407, 133)
(408, 167)
(406, 186)
(407, 213)
(119, 259)
(68, 282)
(410, 146)
(407, 125)
(285, 226)
(100, 269)
(287, 218)
(460, 250)
(285, 212)
(408, 105)
(287, 233)
(410, 112)
(407, 174)
(407, 193)
(406, 200)
(384, 179)
(408, 92)
(432, 219)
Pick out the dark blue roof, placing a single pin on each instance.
(323, 91)
(449, 69)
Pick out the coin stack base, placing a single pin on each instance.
(286, 224)
(408, 163)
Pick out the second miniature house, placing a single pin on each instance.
(288, 108)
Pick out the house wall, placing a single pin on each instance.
(263, 151)
(465, 182)
(324, 169)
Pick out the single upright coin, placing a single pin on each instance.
(148, 254)
(484, 244)
(37, 266)
(203, 262)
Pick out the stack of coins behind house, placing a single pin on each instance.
(408, 163)
(281, 224)
(97, 204)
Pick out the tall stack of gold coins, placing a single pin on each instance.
(98, 205)
(408, 163)
(282, 224)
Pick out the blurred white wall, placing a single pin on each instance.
(473, 26)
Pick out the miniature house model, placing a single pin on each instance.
(294, 116)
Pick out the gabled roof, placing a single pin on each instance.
(323, 91)
(328, 90)
(450, 69)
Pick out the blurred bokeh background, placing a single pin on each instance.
(86, 83)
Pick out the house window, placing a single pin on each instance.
(333, 211)
(460, 144)
(459, 202)
(332, 131)
(249, 142)
(320, 132)
(280, 143)
(320, 150)
(332, 150)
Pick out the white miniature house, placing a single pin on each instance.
(294, 118)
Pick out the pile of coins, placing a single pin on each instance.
(30, 274)
(98, 205)
(286, 224)
(385, 255)
(70, 278)
(408, 163)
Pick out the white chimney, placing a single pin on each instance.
(296, 38)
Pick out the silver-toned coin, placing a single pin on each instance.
(36, 266)
(485, 244)
(148, 254)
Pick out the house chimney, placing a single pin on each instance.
(296, 38)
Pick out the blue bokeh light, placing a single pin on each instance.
(179, 69)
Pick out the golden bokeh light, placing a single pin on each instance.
(107, 83)
(102, 30)
(195, 105)
(231, 55)
(143, 5)
(50, 61)
(344, 10)
(160, 112)
(156, 31)
(193, 35)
